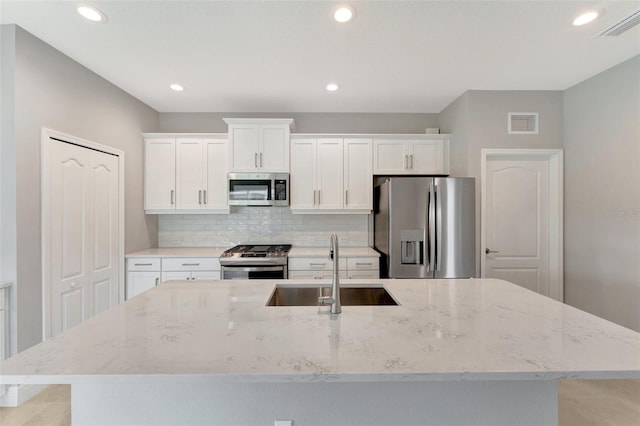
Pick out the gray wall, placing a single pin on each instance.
(7, 162)
(53, 91)
(305, 122)
(478, 120)
(602, 194)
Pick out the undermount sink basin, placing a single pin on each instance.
(349, 296)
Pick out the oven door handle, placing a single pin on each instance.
(253, 268)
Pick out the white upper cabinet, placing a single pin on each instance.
(186, 174)
(159, 174)
(331, 174)
(411, 156)
(358, 174)
(259, 145)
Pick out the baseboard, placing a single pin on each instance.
(19, 394)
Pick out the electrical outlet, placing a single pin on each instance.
(283, 423)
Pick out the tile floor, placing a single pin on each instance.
(580, 403)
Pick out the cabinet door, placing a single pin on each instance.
(428, 157)
(302, 177)
(364, 275)
(329, 175)
(159, 174)
(205, 275)
(176, 275)
(139, 282)
(189, 174)
(358, 174)
(244, 148)
(389, 157)
(216, 157)
(274, 148)
(302, 275)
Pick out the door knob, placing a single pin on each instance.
(487, 251)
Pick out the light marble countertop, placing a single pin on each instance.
(221, 331)
(217, 251)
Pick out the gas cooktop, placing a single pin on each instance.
(256, 253)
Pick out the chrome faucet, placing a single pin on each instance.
(334, 299)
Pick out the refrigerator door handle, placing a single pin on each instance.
(431, 222)
(438, 229)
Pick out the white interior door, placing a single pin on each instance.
(519, 223)
(84, 234)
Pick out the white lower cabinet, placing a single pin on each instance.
(314, 268)
(190, 268)
(144, 273)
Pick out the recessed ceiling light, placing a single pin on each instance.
(332, 87)
(585, 18)
(344, 13)
(177, 87)
(92, 14)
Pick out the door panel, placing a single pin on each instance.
(274, 149)
(389, 157)
(83, 234)
(330, 173)
(160, 170)
(303, 172)
(216, 153)
(72, 307)
(358, 174)
(189, 174)
(427, 157)
(244, 148)
(517, 222)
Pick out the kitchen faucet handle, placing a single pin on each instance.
(326, 300)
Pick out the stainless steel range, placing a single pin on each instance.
(255, 261)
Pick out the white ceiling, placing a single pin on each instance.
(275, 56)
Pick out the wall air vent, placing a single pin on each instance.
(625, 24)
(523, 123)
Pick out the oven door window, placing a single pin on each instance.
(254, 273)
(253, 190)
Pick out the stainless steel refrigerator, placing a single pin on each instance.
(424, 227)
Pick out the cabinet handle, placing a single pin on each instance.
(406, 159)
(319, 197)
(204, 193)
(142, 264)
(199, 197)
(317, 264)
(314, 197)
(173, 199)
(363, 263)
(190, 264)
(346, 197)
(255, 159)
(157, 280)
(411, 161)
(260, 160)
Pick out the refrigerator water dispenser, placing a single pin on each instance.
(411, 246)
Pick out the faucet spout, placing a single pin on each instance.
(334, 299)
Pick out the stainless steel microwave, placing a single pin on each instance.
(258, 189)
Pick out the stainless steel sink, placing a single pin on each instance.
(349, 296)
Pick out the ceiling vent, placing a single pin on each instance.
(625, 24)
(523, 123)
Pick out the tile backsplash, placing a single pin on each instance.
(261, 224)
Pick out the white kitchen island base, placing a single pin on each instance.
(528, 402)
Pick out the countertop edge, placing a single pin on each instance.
(313, 378)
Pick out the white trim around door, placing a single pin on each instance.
(554, 159)
(47, 136)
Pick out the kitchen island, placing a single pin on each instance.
(479, 351)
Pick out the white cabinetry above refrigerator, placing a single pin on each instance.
(419, 155)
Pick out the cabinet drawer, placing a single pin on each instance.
(190, 264)
(363, 263)
(362, 275)
(143, 264)
(314, 263)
